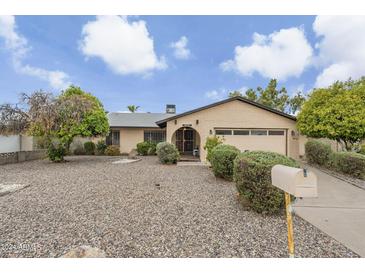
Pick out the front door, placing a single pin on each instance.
(188, 141)
(185, 140)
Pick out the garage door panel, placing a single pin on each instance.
(258, 142)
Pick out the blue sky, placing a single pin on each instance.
(189, 61)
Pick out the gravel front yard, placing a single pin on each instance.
(119, 209)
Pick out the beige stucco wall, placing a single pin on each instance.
(130, 137)
(237, 114)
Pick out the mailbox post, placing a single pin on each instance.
(297, 182)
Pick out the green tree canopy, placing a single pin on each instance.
(93, 123)
(273, 97)
(336, 112)
(73, 113)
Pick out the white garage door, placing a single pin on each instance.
(255, 139)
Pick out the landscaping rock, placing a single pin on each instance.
(7, 189)
(120, 209)
(85, 252)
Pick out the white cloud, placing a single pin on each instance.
(280, 55)
(217, 94)
(126, 47)
(18, 47)
(180, 48)
(341, 49)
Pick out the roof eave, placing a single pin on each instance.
(240, 98)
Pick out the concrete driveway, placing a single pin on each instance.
(338, 211)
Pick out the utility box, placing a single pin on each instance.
(295, 181)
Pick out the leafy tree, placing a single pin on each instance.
(73, 113)
(234, 94)
(296, 102)
(94, 122)
(251, 94)
(133, 108)
(273, 97)
(336, 112)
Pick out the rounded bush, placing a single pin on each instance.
(89, 148)
(56, 152)
(317, 152)
(349, 163)
(101, 147)
(210, 143)
(221, 160)
(112, 151)
(143, 147)
(252, 175)
(152, 149)
(167, 153)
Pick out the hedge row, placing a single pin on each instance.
(252, 175)
(350, 163)
(251, 171)
(221, 160)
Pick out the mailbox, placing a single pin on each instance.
(295, 181)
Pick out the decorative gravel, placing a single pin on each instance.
(144, 209)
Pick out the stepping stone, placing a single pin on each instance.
(85, 252)
(126, 161)
(7, 189)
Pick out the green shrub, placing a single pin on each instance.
(142, 148)
(152, 149)
(112, 151)
(167, 153)
(317, 152)
(89, 148)
(222, 157)
(101, 147)
(349, 163)
(56, 152)
(252, 175)
(210, 143)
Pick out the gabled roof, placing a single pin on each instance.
(131, 120)
(162, 122)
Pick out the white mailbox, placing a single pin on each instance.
(295, 181)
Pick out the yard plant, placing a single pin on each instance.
(146, 148)
(73, 113)
(222, 157)
(336, 113)
(167, 153)
(350, 163)
(210, 143)
(112, 150)
(89, 148)
(101, 147)
(252, 175)
(317, 152)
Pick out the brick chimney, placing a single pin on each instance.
(171, 109)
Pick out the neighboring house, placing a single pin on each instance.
(241, 122)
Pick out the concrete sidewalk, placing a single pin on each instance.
(338, 211)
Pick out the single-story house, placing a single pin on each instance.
(240, 122)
